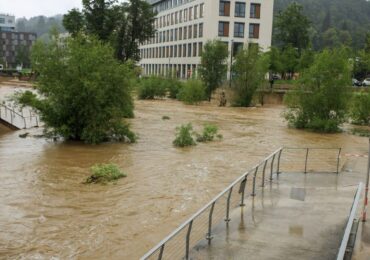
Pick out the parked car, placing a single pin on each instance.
(356, 82)
(366, 82)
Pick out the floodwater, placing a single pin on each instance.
(47, 212)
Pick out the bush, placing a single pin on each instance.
(193, 92)
(174, 86)
(360, 108)
(166, 118)
(208, 134)
(103, 173)
(184, 136)
(152, 87)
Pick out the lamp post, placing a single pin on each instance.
(231, 61)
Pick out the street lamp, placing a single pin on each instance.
(231, 61)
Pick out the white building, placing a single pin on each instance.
(184, 26)
(7, 23)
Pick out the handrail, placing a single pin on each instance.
(13, 112)
(347, 232)
(187, 222)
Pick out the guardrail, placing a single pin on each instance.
(177, 245)
(348, 230)
(18, 119)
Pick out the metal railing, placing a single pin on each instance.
(18, 119)
(348, 231)
(178, 244)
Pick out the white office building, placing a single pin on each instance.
(184, 26)
(7, 23)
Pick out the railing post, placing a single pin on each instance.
(263, 174)
(254, 182)
(187, 248)
(278, 166)
(209, 234)
(338, 158)
(25, 124)
(272, 167)
(305, 164)
(242, 190)
(161, 252)
(227, 219)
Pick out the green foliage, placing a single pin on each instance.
(166, 118)
(103, 173)
(152, 87)
(184, 136)
(209, 133)
(320, 100)
(360, 108)
(174, 86)
(124, 25)
(250, 68)
(74, 22)
(40, 25)
(22, 56)
(348, 17)
(292, 27)
(361, 66)
(85, 93)
(213, 67)
(192, 92)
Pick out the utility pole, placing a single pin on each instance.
(366, 186)
(231, 60)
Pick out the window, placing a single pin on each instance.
(196, 12)
(200, 48)
(175, 36)
(200, 30)
(239, 30)
(185, 32)
(189, 50)
(180, 17)
(201, 7)
(184, 50)
(255, 11)
(180, 33)
(2, 20)
(180, 50)
(254, 30)
(195, 31)
(224, 8)
(239, 9)
(190, 13)
(190, 34)
(185, 15)
(194, 49)
(223, 29)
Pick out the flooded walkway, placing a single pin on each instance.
(297, 215)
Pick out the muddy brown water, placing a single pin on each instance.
(47, 212)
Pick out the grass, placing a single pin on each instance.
(361, 132)
(104, 173)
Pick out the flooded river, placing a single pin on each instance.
(47, 212)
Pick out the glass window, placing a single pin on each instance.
(224, 8)
(200, 30)
(239, 9)
(239, 30)
(201, 7)
(255, 11)
(223, 29)
(254, 30)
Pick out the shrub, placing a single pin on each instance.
(174, 86)
(152, 87)
(166, 118)
(360, 108)
(208, 134)
(193, 92)
(184, 136)
(103, 173)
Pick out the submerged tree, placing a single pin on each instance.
(213, 67)
(84, 92)
(320, 100)
(250, 68)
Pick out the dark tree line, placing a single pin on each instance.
(125, 26)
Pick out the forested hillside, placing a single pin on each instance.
(40, 25)
(334, 22)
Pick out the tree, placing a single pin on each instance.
(73, 21)
(250, 68)
(213, 67)
(85, 92)
(22, 56)
(367, 43)
(293, 27)
(125, 26)
(289, 61)
(275, 65)
(320, 100)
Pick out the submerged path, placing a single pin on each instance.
(297, 216)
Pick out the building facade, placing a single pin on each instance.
(184, 26)
(14, 46)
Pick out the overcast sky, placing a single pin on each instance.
(29, 8)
